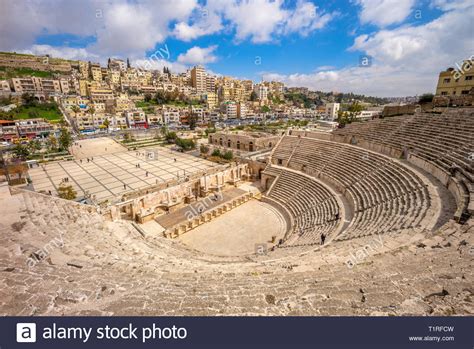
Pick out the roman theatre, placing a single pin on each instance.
(371, 219)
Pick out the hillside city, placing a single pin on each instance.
(40, 93)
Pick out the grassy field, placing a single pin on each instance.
(48, 111)
(8, 73)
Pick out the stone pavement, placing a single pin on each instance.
(108, 176)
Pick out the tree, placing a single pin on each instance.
(265, 109)
(75, 109)
(216, 152)
(127, 137)
(65, 138)
(128, 64)
(253, 96)
(349, 116)
(185, 144)
(164, 130)
(147, 97)
(426, 98)
(34, 146)
(171, 137)
(66, 192)
(228, 155)
(21, 151)
(204, 149)
(52, 143)
(91, 110)
(106, 124)
(28, 99)
(192, 121)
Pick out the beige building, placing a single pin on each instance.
(198, 79)
(245, 141)
(35, 85)
(96, 72)
(101, 94)
(241, 110)
(456, 82)
(211, 100)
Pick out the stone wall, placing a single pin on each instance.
(393, 110)
(243, 141)
(166, 199)
(458, 101)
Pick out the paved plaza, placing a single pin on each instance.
(107, 176)
(82, 149)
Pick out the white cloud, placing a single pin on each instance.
(257, 19)
(406, 60)
(121, 28)
(61, 52)
(305, 19)
(204, 21)
(198, 55)
(131, 28)
(448, 5)
(385, 12)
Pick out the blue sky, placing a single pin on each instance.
(317, 44)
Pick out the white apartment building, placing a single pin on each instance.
(331, 111)
(171, 117)
(231, 110)
(136, 118)
(262, 91)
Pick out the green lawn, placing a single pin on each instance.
(8, 73)
(48, 111)
(143, 104)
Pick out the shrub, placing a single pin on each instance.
(185, 144)
(66, 192)
(228, 155)
(204, 149)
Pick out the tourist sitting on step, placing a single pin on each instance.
(323, 238)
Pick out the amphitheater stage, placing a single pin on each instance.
(107, 176)
(198, 207)
(244, 230)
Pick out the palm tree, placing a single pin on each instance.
(106, 123)
(75, 109)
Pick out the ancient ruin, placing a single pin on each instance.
(371, 219)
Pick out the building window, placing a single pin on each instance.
(444, 93)
(280, 162)
(447, 81)
(469, 77)
(454, 93)
(228, 143)
(465, 92)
